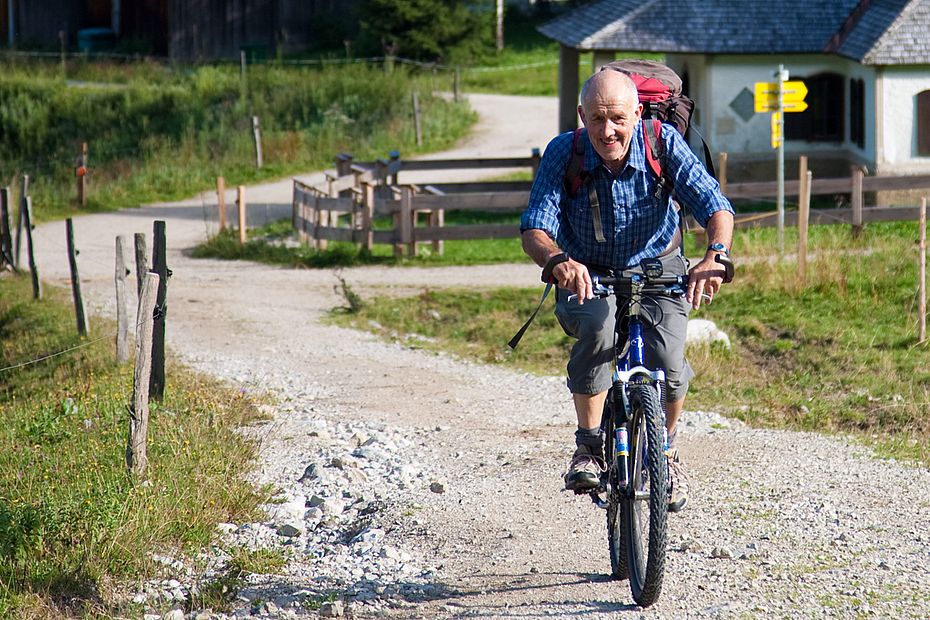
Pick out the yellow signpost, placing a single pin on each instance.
(778, 98)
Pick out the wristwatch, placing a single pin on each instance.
(718, 247)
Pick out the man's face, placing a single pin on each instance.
(610, 112)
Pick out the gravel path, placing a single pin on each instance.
(417, 485)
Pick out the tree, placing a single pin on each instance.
(430, 30)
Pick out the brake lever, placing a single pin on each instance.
(599, 292)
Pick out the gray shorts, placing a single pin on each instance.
(591, 364)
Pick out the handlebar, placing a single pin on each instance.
(670, 285)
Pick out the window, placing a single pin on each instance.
(857, 112)
(923, 123)
(823, 119)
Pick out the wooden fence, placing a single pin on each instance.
(344, 209)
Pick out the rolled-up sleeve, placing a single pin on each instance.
(543, 212)
(695, 188)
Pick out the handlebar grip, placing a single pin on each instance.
(728, 267)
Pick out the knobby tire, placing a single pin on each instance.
(645, 542)
(616, 540)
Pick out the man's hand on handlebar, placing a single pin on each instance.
(574, 276)
(705, 279)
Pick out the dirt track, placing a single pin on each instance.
(782, 524)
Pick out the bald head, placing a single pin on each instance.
(608, 84)
(610, 110)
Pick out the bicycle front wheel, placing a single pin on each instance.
(616, 541)
(644, 509)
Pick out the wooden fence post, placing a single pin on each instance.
(922, 271)
(368, 216)
(416, 119)
(856, 200)
(395, 157)
(142, 261)
(240, 203)
(27, 226)
(81, 173)
(160, 267)
(122, 318)
(79, 311)
(257, 136)
(405, 225)
(221, 201)
(456, 80)
(722, 171)
(19, 220)
(136, 455)
(6, 239)
(804, 211)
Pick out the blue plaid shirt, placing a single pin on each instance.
(635, 227)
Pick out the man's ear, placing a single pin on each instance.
(585, 122)
(639, 111)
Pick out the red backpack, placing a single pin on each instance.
(659, 89)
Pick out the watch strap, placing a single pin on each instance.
(557, 259)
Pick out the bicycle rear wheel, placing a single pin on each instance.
(616, 541)
(644, 512)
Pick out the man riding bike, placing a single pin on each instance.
(565, 235)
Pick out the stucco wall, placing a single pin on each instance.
(898, 88)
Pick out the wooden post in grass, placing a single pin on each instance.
(804, 212)
(17, 257)
(80, 172)
(221, 201)
(416, 119)
(6, 239)
(456, 81)
(79, 312)
(136, 456)
(856, 200)
(142, 261)
(160, 267)
(537, 158)
(27, 226)
(722, 171)
(240, 203)
(257, 136)
(122, 307)
(922, 274)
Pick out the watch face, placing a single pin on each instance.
(718, 247)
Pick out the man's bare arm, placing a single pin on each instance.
(570, 275)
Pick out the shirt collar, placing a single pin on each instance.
(636, 158)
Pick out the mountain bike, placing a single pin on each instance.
(634, 488)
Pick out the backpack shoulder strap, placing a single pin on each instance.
(655, 149)
(573, 171)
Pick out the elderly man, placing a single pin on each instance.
(560, 235)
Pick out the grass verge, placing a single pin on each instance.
(836, 354)
(73, 523)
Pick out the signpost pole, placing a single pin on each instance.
(782, 75)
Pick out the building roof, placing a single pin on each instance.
(868, 31)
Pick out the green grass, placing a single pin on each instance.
(167, 132)
(839, 354)
(73, 523)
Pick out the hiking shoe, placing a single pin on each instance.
(584, 471)
(678, 492)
